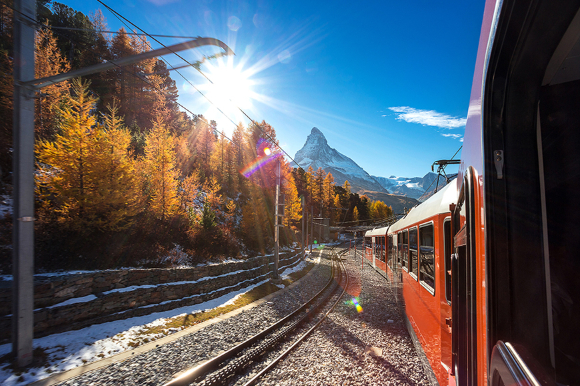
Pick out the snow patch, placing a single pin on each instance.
(5, 205)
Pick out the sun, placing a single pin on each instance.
(231, 87)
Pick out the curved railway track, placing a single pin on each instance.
(245, 357)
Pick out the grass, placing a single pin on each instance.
(184, 321)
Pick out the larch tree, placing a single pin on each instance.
(292, 205)
(346, 187)
(68, 170)
(337, 211)
(327, 193)
(189, 191)
(205, 140)
(120, 200)
(309, 185)
(123, 78)
(355, 214)
(161, 173)
(318, 190)
(49, 61)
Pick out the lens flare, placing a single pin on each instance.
(267, 151)
(358, 307)
(257, 164)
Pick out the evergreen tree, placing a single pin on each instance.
(6, 90)
(122, 77)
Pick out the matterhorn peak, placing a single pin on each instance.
(317, 153)
(316, 131)
(316, 139)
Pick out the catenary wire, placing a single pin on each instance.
(432, 182)
(121, 18)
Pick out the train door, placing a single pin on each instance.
(374, 249)
(445, 294)
(463, 274)
(530, 142)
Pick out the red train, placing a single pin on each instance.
(489, 265)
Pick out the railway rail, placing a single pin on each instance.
(245, 357)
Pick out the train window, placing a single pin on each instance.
(413, 266)
(559, 141)
(383, 249)
(399, 247)
(390, 252)
(404, 251)
(447, 258)
(427, 257)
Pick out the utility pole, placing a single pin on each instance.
(276, 226)
(311, 226)
(23, 194)
(25, 88)
(303, 246)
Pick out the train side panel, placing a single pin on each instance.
(422, 305)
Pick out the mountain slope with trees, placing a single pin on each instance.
(126, 178)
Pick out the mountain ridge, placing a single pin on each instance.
(317, 153)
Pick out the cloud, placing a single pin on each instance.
(454, 136)
(428, 117)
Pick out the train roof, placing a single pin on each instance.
(436, 204)
(377, 232)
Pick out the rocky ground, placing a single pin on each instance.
(365, 346)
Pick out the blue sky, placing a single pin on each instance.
(387, 82)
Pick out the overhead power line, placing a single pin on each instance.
(123, 32)
(118, 15)
(432, 182)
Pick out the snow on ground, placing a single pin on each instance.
(5, 204)
(72, 349)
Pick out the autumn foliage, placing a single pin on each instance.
(124, 177)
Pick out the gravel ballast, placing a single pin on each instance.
(158, 366)
(371, 347)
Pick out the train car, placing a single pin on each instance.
(515, 298)
(375, 248)
(423, 249)
(418, 250)
(514, 224)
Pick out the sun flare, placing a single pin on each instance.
(231, 87)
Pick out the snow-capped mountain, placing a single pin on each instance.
(399, 192)
(317, 153)
(414, 187)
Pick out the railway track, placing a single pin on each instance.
(247, 357)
